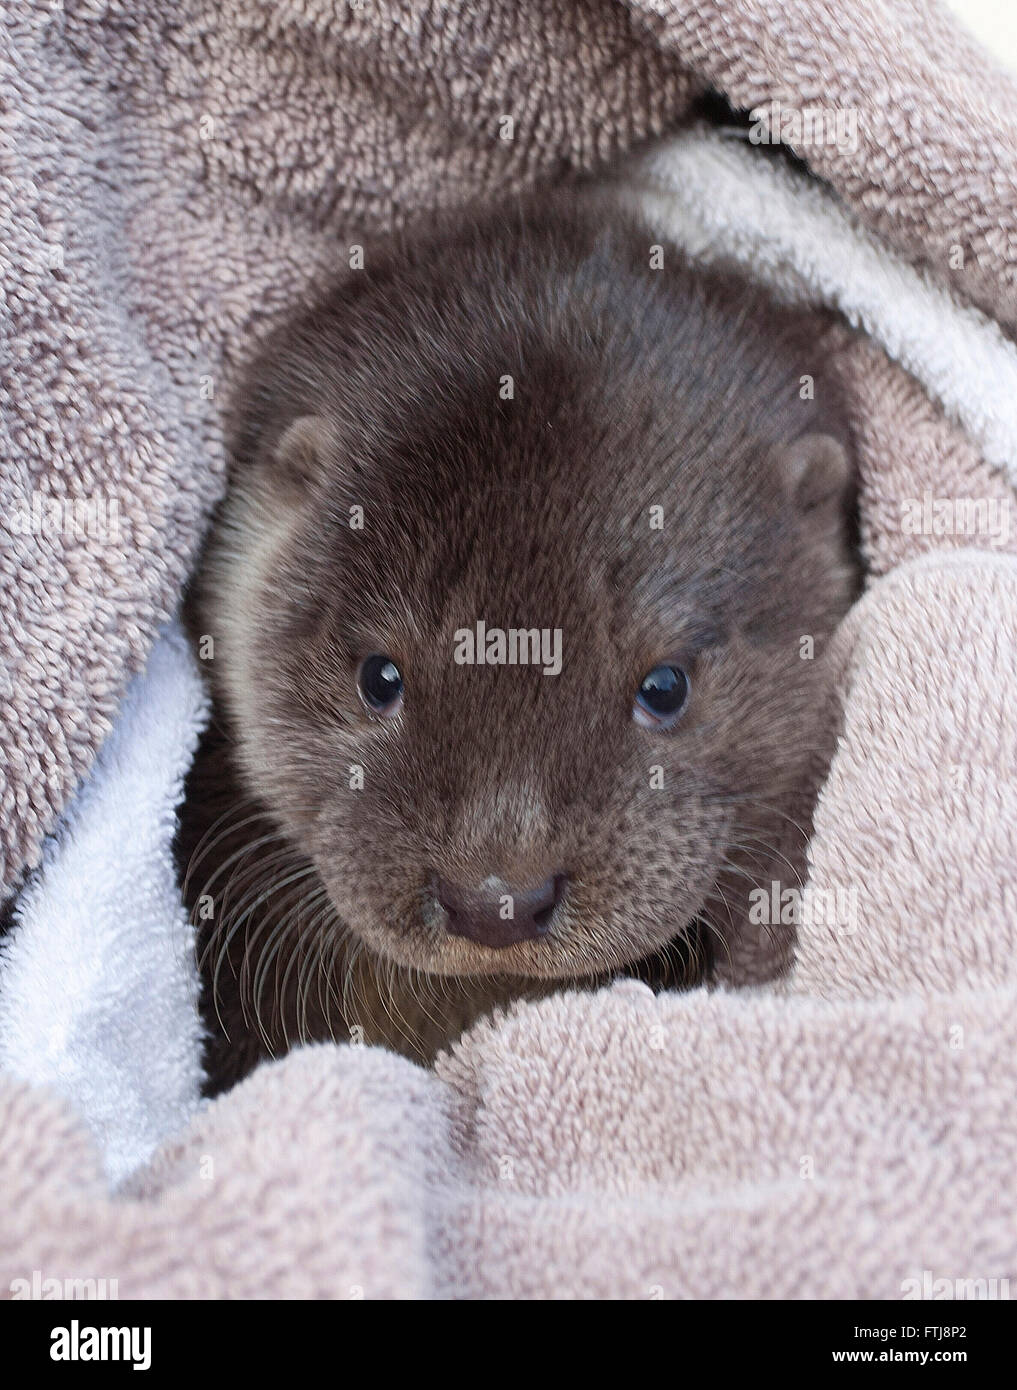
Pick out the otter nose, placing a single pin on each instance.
(496, 915)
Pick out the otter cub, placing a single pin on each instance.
(526, 549)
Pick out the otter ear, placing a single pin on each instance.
(301, 449)
(815, 470)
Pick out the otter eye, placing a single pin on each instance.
(662, 697)
(381, 685)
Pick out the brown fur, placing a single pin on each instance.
(633, 388)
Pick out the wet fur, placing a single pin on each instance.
(633, 388)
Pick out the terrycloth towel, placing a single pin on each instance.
(722, 203)
(847, 1131)
(98, 992)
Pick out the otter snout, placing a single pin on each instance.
(496, 915)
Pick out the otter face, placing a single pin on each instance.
(521, 593)
(529, 684)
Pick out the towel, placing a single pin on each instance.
(99, 996)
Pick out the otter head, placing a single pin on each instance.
(523, 649)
